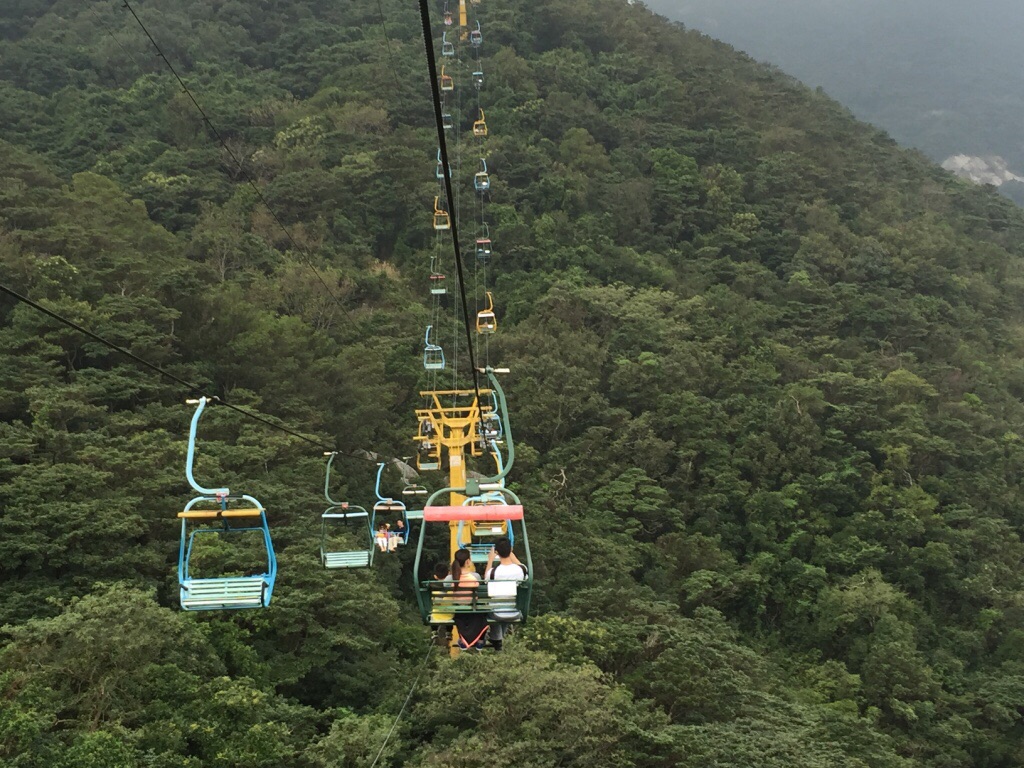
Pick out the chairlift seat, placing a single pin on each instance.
(498, 599)
(226, 593)
(483, 250)
(360, 559)
(414, 514)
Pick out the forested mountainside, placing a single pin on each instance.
(766, 381)
(939, 75)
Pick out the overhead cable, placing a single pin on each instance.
(217, 135)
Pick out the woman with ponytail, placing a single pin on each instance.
(472, 627)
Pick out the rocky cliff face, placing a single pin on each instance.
(991, 169)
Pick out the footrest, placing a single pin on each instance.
(218, 594)
(360, 559)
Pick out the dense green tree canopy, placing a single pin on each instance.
(766, 389)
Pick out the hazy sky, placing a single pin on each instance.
(944, 75)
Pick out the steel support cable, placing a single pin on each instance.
(408, 698)
(217, 135)
(436, 94)
(192, 387)
(387, 39)
(110, 32)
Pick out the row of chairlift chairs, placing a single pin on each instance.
(218, 512)
(486, 322)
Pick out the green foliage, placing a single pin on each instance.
(765, 390)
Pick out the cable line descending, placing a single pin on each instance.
(188, 385)
(303, 253)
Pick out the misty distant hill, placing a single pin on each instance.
(945, 76)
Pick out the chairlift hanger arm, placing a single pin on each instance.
(191, 458)
(327, 480)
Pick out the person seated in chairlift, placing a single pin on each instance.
(442, 573)
(472, 627)
(383, 537)
(396, 535)
(508, 568)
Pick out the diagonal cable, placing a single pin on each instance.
(217, 135)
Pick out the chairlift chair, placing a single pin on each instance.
(439, 171)
(447, 82)
(500, 601)
(486, 322)
(482, 180)
(492, 422)
(476, 37)
(437, 287)
(428, 456)
(447, 121)
(442, 220)
(342, 515)
(388, 507)
(226, 517)
(478, 79)
(447, 49)
(480, 126)
(433, 355)
(483, 245)
(484, 532)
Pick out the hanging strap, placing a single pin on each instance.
(475, 640)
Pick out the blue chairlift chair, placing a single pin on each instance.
(482, 180)
(230, 515)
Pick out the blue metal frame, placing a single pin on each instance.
(220, 497)
(482, 179)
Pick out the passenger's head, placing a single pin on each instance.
(503, 547)
(441, 571)
(462, 562)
